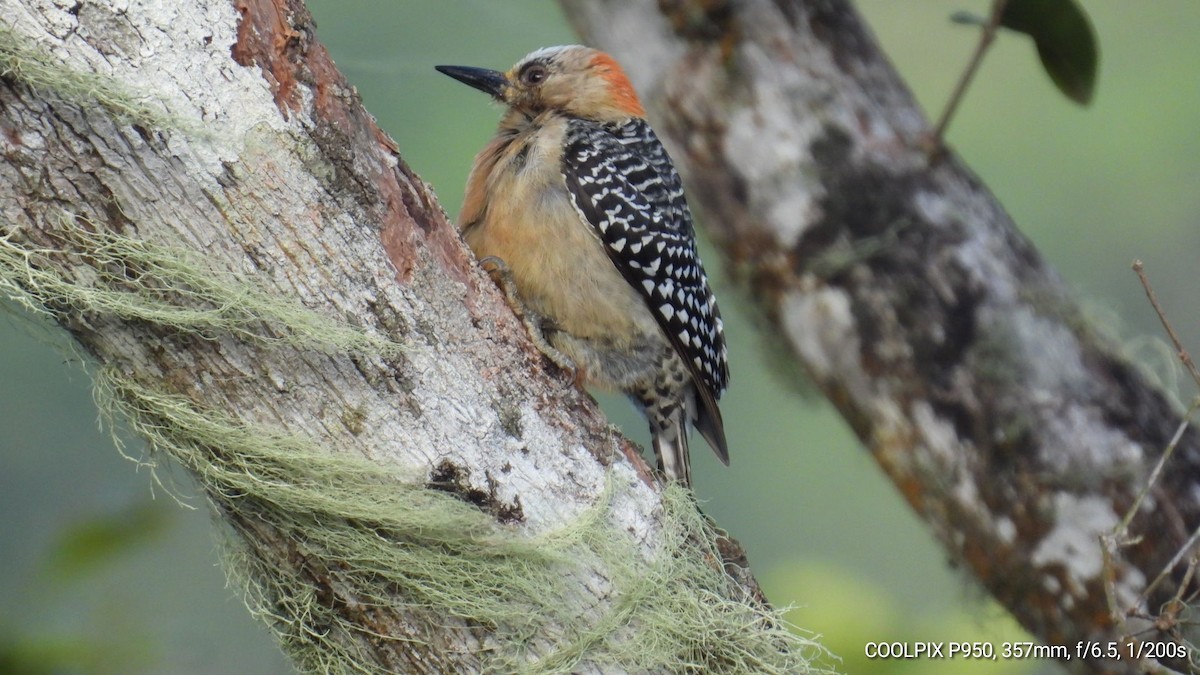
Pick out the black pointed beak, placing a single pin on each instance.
(487, 81)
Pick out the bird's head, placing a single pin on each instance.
(575, 80)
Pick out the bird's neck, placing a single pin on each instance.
(517, 122)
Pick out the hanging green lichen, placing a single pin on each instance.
(130, 279)
(362, 538)
(396, 542)
(28, 62)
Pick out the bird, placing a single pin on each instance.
(577, 210)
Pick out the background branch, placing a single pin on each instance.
(956, 354)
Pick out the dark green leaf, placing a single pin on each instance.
(1065, 42)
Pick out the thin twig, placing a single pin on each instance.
(1184, 356)
(1162, 460)
(1119, 536)
(964, 80)
(1108, 548)
(1179, 555)
(1186, 581)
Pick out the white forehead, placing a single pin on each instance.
(550, 53)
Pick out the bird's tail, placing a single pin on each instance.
(670, 441)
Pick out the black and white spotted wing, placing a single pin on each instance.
(623, 183)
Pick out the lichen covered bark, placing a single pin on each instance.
(957, 355)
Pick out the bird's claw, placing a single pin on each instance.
(494, 265)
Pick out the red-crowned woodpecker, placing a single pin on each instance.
(577, 205)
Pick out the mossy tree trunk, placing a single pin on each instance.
(959, 358)
(222, 128)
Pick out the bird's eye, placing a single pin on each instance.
(533, 75)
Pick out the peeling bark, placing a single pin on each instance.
(900, 284)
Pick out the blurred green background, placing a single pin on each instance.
(106, 573)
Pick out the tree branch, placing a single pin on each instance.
(955, 353)
(274, 299)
